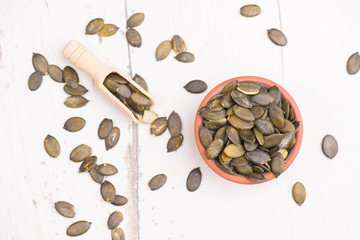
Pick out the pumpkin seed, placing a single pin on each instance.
(329, 146)
(111, 85)
(288, 127)
(258, 111)
(185, 57)
(288, 140)
(353, 63)
(250, 146)
(78, 228)
(108, 30)
(258, 156)
(214, 105)
(159, 126)
(174, 142)
(299, 193)
(225, 166)
(52, 146)
(233, 135)
(265, 127)
(241, 99)
(40, 63)
(108, 191)
(114, 76)
(163, 50)
(105, 128)
(213, 115)
(275, 92)
(247, 135)
(117, 234)
(194, 180)
(80, 152)
(133, 37)
(56, 73)
(95, 175)
(230, 111)
(35, 81)
(250, 10)
(75, 101)
(226, 101)
(221, 133)
(71, 77)
(140, 99)
(115, 219)
(119, 200)
(65, 209)
(277, 164)
(196, 86)
(78, 91)
(205, 136)
(74, 124)
(263, 99)
(88, 164)
(277, 37)
(215, 124)
(113, 138)
(139, 80)
(255, 177)
(283, 152)
(276, 115)
(229, 87)
(157, 182)
(94, 26)
(149, 117)
(240, 124)
(272, 140)
(174, 124)
(243, 113)
(178, 44)
(286, 108)
(214, 148)
(124, 91)
(258, 169)
(135, 20)
(225, 157)
(241, 165)
(297, 126)
(248, 87)
(234, 151)
(259, 136)
(106, 169)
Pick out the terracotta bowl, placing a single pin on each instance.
(217, 90)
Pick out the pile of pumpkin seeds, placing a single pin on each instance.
(179, 47)
(98, 26)
(132, 35)
(109, 133)
(248, 129)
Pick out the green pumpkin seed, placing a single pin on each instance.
(105, 128)
(196, 86)
(286, 108)
(277, 37)
(163, 50)
(258, 156)
(240, 124)
(227, 101)
(114, 76)
(139, 80)
(248, 87)
(224, 158)
(272, 140)
(283, 152)
(205, 136)
(111, 85)
(80, 152)
(40, 63)
(174, 142)
(255, 177)
(78, 91)
(275, 92)
(250, 146)
(74, 124)
(52, 146)
(135, 20)
(263, 99)
(288, 140)
(95, 175)
(178, 44)
(299, 193)
(174, 124)
(277, 164)
(117, 234)
(106, 169)
(157, 182)
(108, 191)
(108, 30)
(194, 180)
(243, 113)
(149, 117)
(119, 200)
(94, 26)
(134, 107)
(140, 99)
(276, 115)
(265, 127)
(185, 57)
(221, 133)
(225, 167)
(229, 87)
(35, 81)
(230, 111)
(71, 77)
(241, 99)
(214, 148)
(258, 169)
(115, 219)
(56, 73)
(213, 115)
(241, 165)
(215, 124)
(65, 209)
(124, 91)
(258, 111)
(353, 63)
(113, 138)
(214, 105)
(329, 146)
(78, 228)
(75, 101)
(250, 10)
(247, 135)
(133, 37)
(259, 136)
(159, 126)
(233, 135)
(234, 151)
(288, 127)
(88, 164)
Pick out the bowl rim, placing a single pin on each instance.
(216, 90)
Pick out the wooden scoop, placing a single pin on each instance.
(83, 59)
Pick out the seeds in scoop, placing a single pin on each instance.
(178, 44)
(185, 57)
(194, 180)
(205, 136)
(124, 91)
(95, 175)
(75, 101)
(115, 219)
(80, 152)
(234, 151)
(233, 135)
(111, 85)
(113, 138)
(243, 113)
(149, 117)
(250, 10)
(78, 228)
(241, 99)
(255, 177)
(88, 164)
(56, 73)
(214, 148)
(108, 30)
(174, 124)
(329, 146)
(133, 37)
(299, 193)
(94, 26)
(157, 182)
(159, 126)
(114, 76)
(135, 108)
(117, 234)
(196, 86)
(107, 169)
(277, 164)
(40, 63)
(175, 142)
(276, 115)
(258, 156)
(71, 77)
(135, 20)
(65, 209)
(119, 200)
(353, 63)
(78, 91)
(35, 81)
(240, 124)
(163, 50)
(277, 37)
(108, 192)
(105, 128)
(52, 146)
(263, 99)
(140, 99)
(248, 87)
(139, 80)
(74, 124)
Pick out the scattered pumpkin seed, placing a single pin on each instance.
(74, 124)
(40, 63)
(133, 37)
(140, 99)
(250, 10)
(277, 37)
(353, 63)
(94, 26)
(119, 200)
(75, 101)
(196, 86)
(108, 191)
(149, 117)
(78, 91)
(185, 57)
(105, 128)
(106, 169)
(78, 228)
(135, 20)
(174, 124)
(178, 44)
(80, 152)
(108, 30)
(113, 138)
(194, 180)
(35, 81)
(157, 182)
(329, 146)
(175, 142)
(299, 193)
(95, 175)
(159, 126)
(115, 219)
(52, 146)
(117, 234)
(65, 209)
(71, 77)
(88, 164)
(139, 80)
(163, 50)
(56, 73)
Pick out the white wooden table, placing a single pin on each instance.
(321, 36)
